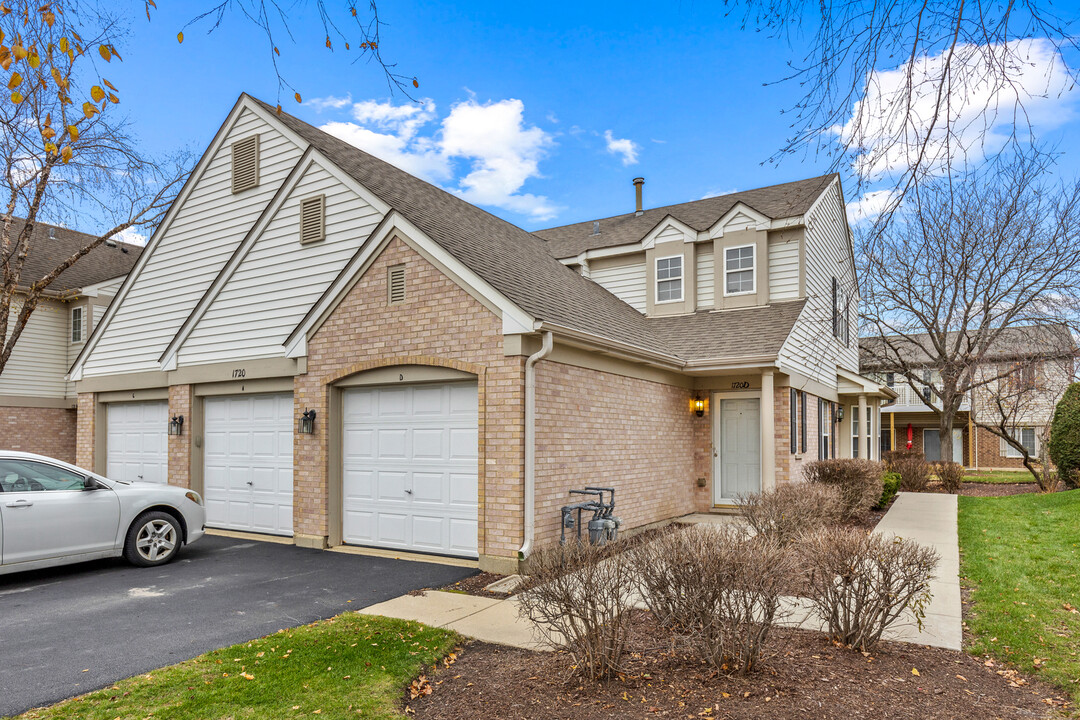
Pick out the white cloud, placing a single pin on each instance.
(867, 208)
(131, 236)
(622, 146)
(997, 90)
(330, 102)
(717, 193)
(500, 151)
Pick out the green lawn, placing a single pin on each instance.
(1021, 556)
(347, 667)
(1000, 476)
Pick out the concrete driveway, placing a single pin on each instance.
(67, 631)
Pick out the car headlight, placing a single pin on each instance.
(193, 497)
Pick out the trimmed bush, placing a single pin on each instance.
(1064, 445)
(580, 598)
(860, 583)
(858, 482)
(890, 485)
(718, 589)
(950, 474)
(912, 468)
(791, 510)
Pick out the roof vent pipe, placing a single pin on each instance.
(596, 227)
(638, 182)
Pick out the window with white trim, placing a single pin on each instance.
(77, 324)
(669, 279)
(739, 270)
(1027, 437)
(826, 419)
(868, 432)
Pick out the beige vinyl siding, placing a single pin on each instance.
(202, 236)
(705, 278)
(783, 266)
(109, 287)
(811, 348)
(99, 312)
(280, 278)
(39, 361)
(625, 281)
(670, 233)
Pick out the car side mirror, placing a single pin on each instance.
(91, 484)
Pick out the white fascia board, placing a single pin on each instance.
(515, 320)
(689, 234)
(310, 159)
(244, 102)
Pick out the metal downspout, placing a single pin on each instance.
(530, 443)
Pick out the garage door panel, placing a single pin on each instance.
(137, 441)
(248, 462)
(426, 441)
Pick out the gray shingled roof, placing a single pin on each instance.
(775, 202)
(520, 266)
(101, 264)
(1048, 340)
(731, 333)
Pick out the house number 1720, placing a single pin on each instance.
(740, 385)
(239, 373)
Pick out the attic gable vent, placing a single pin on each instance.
(396, 284)
(312, 219)
(245, 164)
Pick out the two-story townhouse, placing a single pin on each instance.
(349, 355)
(37, 401)
(1017, 383)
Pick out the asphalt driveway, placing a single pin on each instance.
(70, 630)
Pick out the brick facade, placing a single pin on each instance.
(602, 429)
(86, 432)
(181, 399)
(988, 450)
(45, 431)
(438, 324)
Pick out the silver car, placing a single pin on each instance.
(53, 513)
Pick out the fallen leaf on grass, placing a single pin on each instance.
(914, 672)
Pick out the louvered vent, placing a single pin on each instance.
(245, 164)
(312, 215)
(396, 283)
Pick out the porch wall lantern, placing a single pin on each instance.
(839, 413)
(699, 406)
(176, 424)
(307, 423)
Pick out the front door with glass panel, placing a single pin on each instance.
(932, 445)
(737, 449)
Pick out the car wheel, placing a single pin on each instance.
(153, 539)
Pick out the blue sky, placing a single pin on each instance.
(541, 113)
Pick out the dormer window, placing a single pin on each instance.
(739, 270)
(669, 279)
(76, 324)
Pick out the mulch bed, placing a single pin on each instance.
(978, 489)
(806, 677)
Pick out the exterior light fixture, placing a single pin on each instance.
(307, 423)
(699, 406)
(176, 424)
(839, 413)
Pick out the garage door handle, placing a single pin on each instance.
(19, 504)
(409, 492)
(250, 483)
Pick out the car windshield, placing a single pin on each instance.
(30, 476)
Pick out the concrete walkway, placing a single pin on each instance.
(927, 518)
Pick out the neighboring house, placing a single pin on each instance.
(347, 354)
(1027, 369)
(37, 402)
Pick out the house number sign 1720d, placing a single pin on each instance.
(743, 385)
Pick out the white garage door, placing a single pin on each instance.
(410, 468)
(137, 435)
(247, 462)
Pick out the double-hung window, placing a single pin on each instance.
(669, 279)
(739, 270)
(76, 324)
(868, 432)
(1027, 438)
(826, 418)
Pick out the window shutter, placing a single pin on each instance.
(835, 308)
(820, 430)
(396, 284)
(245, 164)
(793, 424)
(312, 219)
(802, 421)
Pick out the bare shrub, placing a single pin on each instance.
(950, 474)
(579, 596)
(858, 481)
(791, 510)
(719, 589)
(912, 468)
(861, 583)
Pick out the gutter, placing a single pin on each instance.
(530, 443)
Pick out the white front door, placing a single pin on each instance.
(737, 444)
(137, 441)
(410, 467)
(248, 462)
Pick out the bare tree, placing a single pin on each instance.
(63, 152)
(974, 260)
(910, 90)
(1018, 405)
